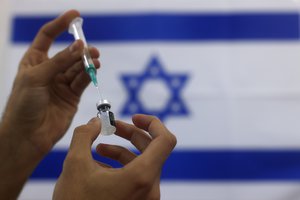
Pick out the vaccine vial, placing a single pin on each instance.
(108, 126)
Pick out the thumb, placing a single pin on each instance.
(83, 138)
(61, 61)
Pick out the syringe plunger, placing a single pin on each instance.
(75, 28)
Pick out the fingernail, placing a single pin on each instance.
(74, 46)
(93, 120)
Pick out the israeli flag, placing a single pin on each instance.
(223, 75)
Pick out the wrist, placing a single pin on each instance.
(16, 164)
(23, 133)
(19, 157)
(15, 143)
(18, 160)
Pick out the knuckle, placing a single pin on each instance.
(73, 157)
(58, 58)
(81, 132)
(27, 76)
(71, 161)
(142, 181)
(81, 129)
(75, 161)
(155, 119)
(171, 140)
(78, 129)
(140, 178)
(44, 30)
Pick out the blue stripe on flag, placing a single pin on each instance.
(171, 27)
(207, 165)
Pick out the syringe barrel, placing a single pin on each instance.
(75, 28)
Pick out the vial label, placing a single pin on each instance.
(112, 118)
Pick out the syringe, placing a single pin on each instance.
(103, 106)
(75, 28)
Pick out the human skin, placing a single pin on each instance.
(42, 104)
(139, 178)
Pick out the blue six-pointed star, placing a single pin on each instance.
(174, 105)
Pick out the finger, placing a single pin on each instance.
(52, 29)
(83, 138)
(80, 82)
(101, 164)
(135, 135)
(71, 73)
(162, 143)
(77, 68)
(118, 153)
(60, 62)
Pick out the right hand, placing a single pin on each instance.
(139, 178)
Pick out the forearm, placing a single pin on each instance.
(18, 160)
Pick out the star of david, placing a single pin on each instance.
(175, 82)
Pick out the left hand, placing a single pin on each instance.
(42, 104)
(46, 90)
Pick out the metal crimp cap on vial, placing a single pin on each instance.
(103, 104)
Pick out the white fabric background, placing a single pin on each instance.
(247, 98)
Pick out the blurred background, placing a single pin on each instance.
(223, 75)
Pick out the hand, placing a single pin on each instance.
(42, 104)
(46, 90)
(85, 178)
